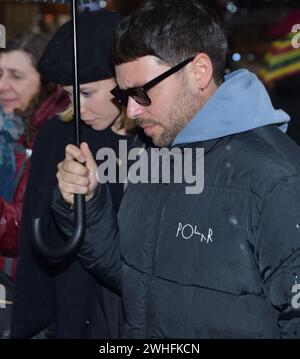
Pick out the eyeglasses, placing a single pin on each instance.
(139, 94)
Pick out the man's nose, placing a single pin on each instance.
(134, 110)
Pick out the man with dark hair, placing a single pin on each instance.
(173, 38)
(223, 263)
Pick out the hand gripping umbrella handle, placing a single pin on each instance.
(72, 244)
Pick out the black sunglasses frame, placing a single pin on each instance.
(139, 94)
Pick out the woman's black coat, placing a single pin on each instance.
(62, 293)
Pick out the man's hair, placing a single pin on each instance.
(172, 30)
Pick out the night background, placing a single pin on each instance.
(250, 24)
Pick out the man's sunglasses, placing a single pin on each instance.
(139, 94)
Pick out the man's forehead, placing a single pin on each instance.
(138, 72)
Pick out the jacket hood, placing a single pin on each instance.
(240, 104)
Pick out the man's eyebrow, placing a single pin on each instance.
(129, 87)
(133, 85)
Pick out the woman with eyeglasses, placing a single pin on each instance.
(62, 293)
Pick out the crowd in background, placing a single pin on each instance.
(33, 104)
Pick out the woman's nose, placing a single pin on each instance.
(4, 82)
(82, 109)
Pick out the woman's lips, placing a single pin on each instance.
(8, 100)
(9, 104)
(89, 122)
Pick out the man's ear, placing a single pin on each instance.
(203, 70)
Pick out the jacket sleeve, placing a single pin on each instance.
(99, 252)
(278, 253)
(34, 300)
(10, 218)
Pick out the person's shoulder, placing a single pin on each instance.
(53, 133)
(54, 126)
(269, 156)
(272, 147)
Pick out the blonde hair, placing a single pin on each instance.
(67, 114)
(130, 126)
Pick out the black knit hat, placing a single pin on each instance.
(95, 37)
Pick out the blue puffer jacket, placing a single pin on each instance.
(218, 264)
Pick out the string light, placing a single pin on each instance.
(236, 57)
(231, 7)
(103, 4)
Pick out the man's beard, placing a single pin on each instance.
(187, 106)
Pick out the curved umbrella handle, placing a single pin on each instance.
(73, 243)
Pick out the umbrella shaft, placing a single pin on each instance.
(76, 85)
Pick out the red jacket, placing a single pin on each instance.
(10, 213)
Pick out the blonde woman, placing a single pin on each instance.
(64, 294)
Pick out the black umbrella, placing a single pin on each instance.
(79, 206)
